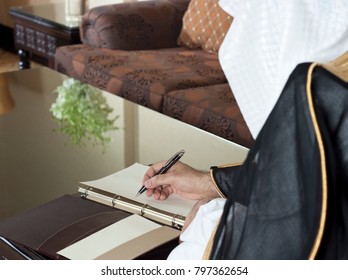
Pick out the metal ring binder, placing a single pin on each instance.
(174, 223)
(85, 194)
(114, 199)
(142, 210)
(155, 212)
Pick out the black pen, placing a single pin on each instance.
(174, 159)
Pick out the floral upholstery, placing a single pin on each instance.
(211, 108)
(187, 84)
(140, 76)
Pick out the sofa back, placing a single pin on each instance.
(134, 26)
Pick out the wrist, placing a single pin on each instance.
(209, 186)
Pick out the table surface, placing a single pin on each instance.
(38, 163)
(52, 15)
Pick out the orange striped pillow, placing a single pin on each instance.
(205, 25)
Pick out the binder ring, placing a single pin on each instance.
(114, 199)
(85, 194)
(174, 223)
(173, 219)
(142, 210)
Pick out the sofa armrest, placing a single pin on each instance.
(134, 26)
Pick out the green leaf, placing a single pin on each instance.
(83, 113)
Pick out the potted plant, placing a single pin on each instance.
(83, 113)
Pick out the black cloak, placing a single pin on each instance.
(289, 199)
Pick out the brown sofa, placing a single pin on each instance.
(131, 50)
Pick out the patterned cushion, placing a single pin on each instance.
(140, 76)
(205, 25)
(212, 108)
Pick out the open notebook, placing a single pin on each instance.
(152, 224)
(119, 190)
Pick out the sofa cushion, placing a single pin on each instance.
(133, 25)
(140, 76)
(205, 25)
(211, 108)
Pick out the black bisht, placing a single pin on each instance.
(289, 199)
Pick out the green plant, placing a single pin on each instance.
(83, 113)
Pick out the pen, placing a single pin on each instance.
(165, 168)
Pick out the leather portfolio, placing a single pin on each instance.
(42, 232)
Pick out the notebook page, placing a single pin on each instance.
(127, 183)
(108, 238)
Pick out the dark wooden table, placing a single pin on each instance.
(39, 30)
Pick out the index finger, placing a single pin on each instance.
(152, 170)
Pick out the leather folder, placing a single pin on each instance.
(43, 231)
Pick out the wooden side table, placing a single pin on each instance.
(39, 30)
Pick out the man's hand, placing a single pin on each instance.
(180, 179)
